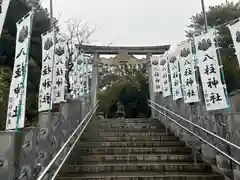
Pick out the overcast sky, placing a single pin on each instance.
(132, 22)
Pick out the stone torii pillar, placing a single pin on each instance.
(95, 76)
(150, 81)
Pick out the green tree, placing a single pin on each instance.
(131, 91)
(216, 16)
(16, 10)
(5, 80)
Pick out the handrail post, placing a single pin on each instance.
(165, 119)
(194, 145)
(194, 149)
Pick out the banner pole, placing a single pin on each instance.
(204, 15)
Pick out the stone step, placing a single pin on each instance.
(125, 129)
(145, 130)
(133, 144)
(129, 121)
(134, 150)
(135, 167)
(135, 157)
(127, 125)
(128, 138)
(145, 176)
(123, 134)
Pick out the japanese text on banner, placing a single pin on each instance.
(18, 88)
(86, 90)
(175, 76)
(156, 74)
(82, 71)
(165, 75)
(59, 72)
(213, 88)
(75, 74)
(45, 88)
(187, 67)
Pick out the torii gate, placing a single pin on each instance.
(123, 56)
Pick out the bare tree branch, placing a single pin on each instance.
(77, 32)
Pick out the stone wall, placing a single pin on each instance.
(234, 99)
(222, 123)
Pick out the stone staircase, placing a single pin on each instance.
(133, 149)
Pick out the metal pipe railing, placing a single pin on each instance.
(75, 142)
(197, 126)
(200, 138)
(90, 113)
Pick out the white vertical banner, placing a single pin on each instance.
(71, 83)
(175, 75)
(45, 87)
(165, 76)
(71, 75)
(86, 77)
(213, 88)
(18, 88)
(59, 70)
(156, 74)
(75, 72)
(4, 4)
(137, 67)
(67, 57)
(188, 75)
(83, 80)
(235, 33)
(80, 75)
(90, 66)
(77, 82)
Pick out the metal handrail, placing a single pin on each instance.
(200, 138)
(75, 142)
(91, 112)
(197, 126)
